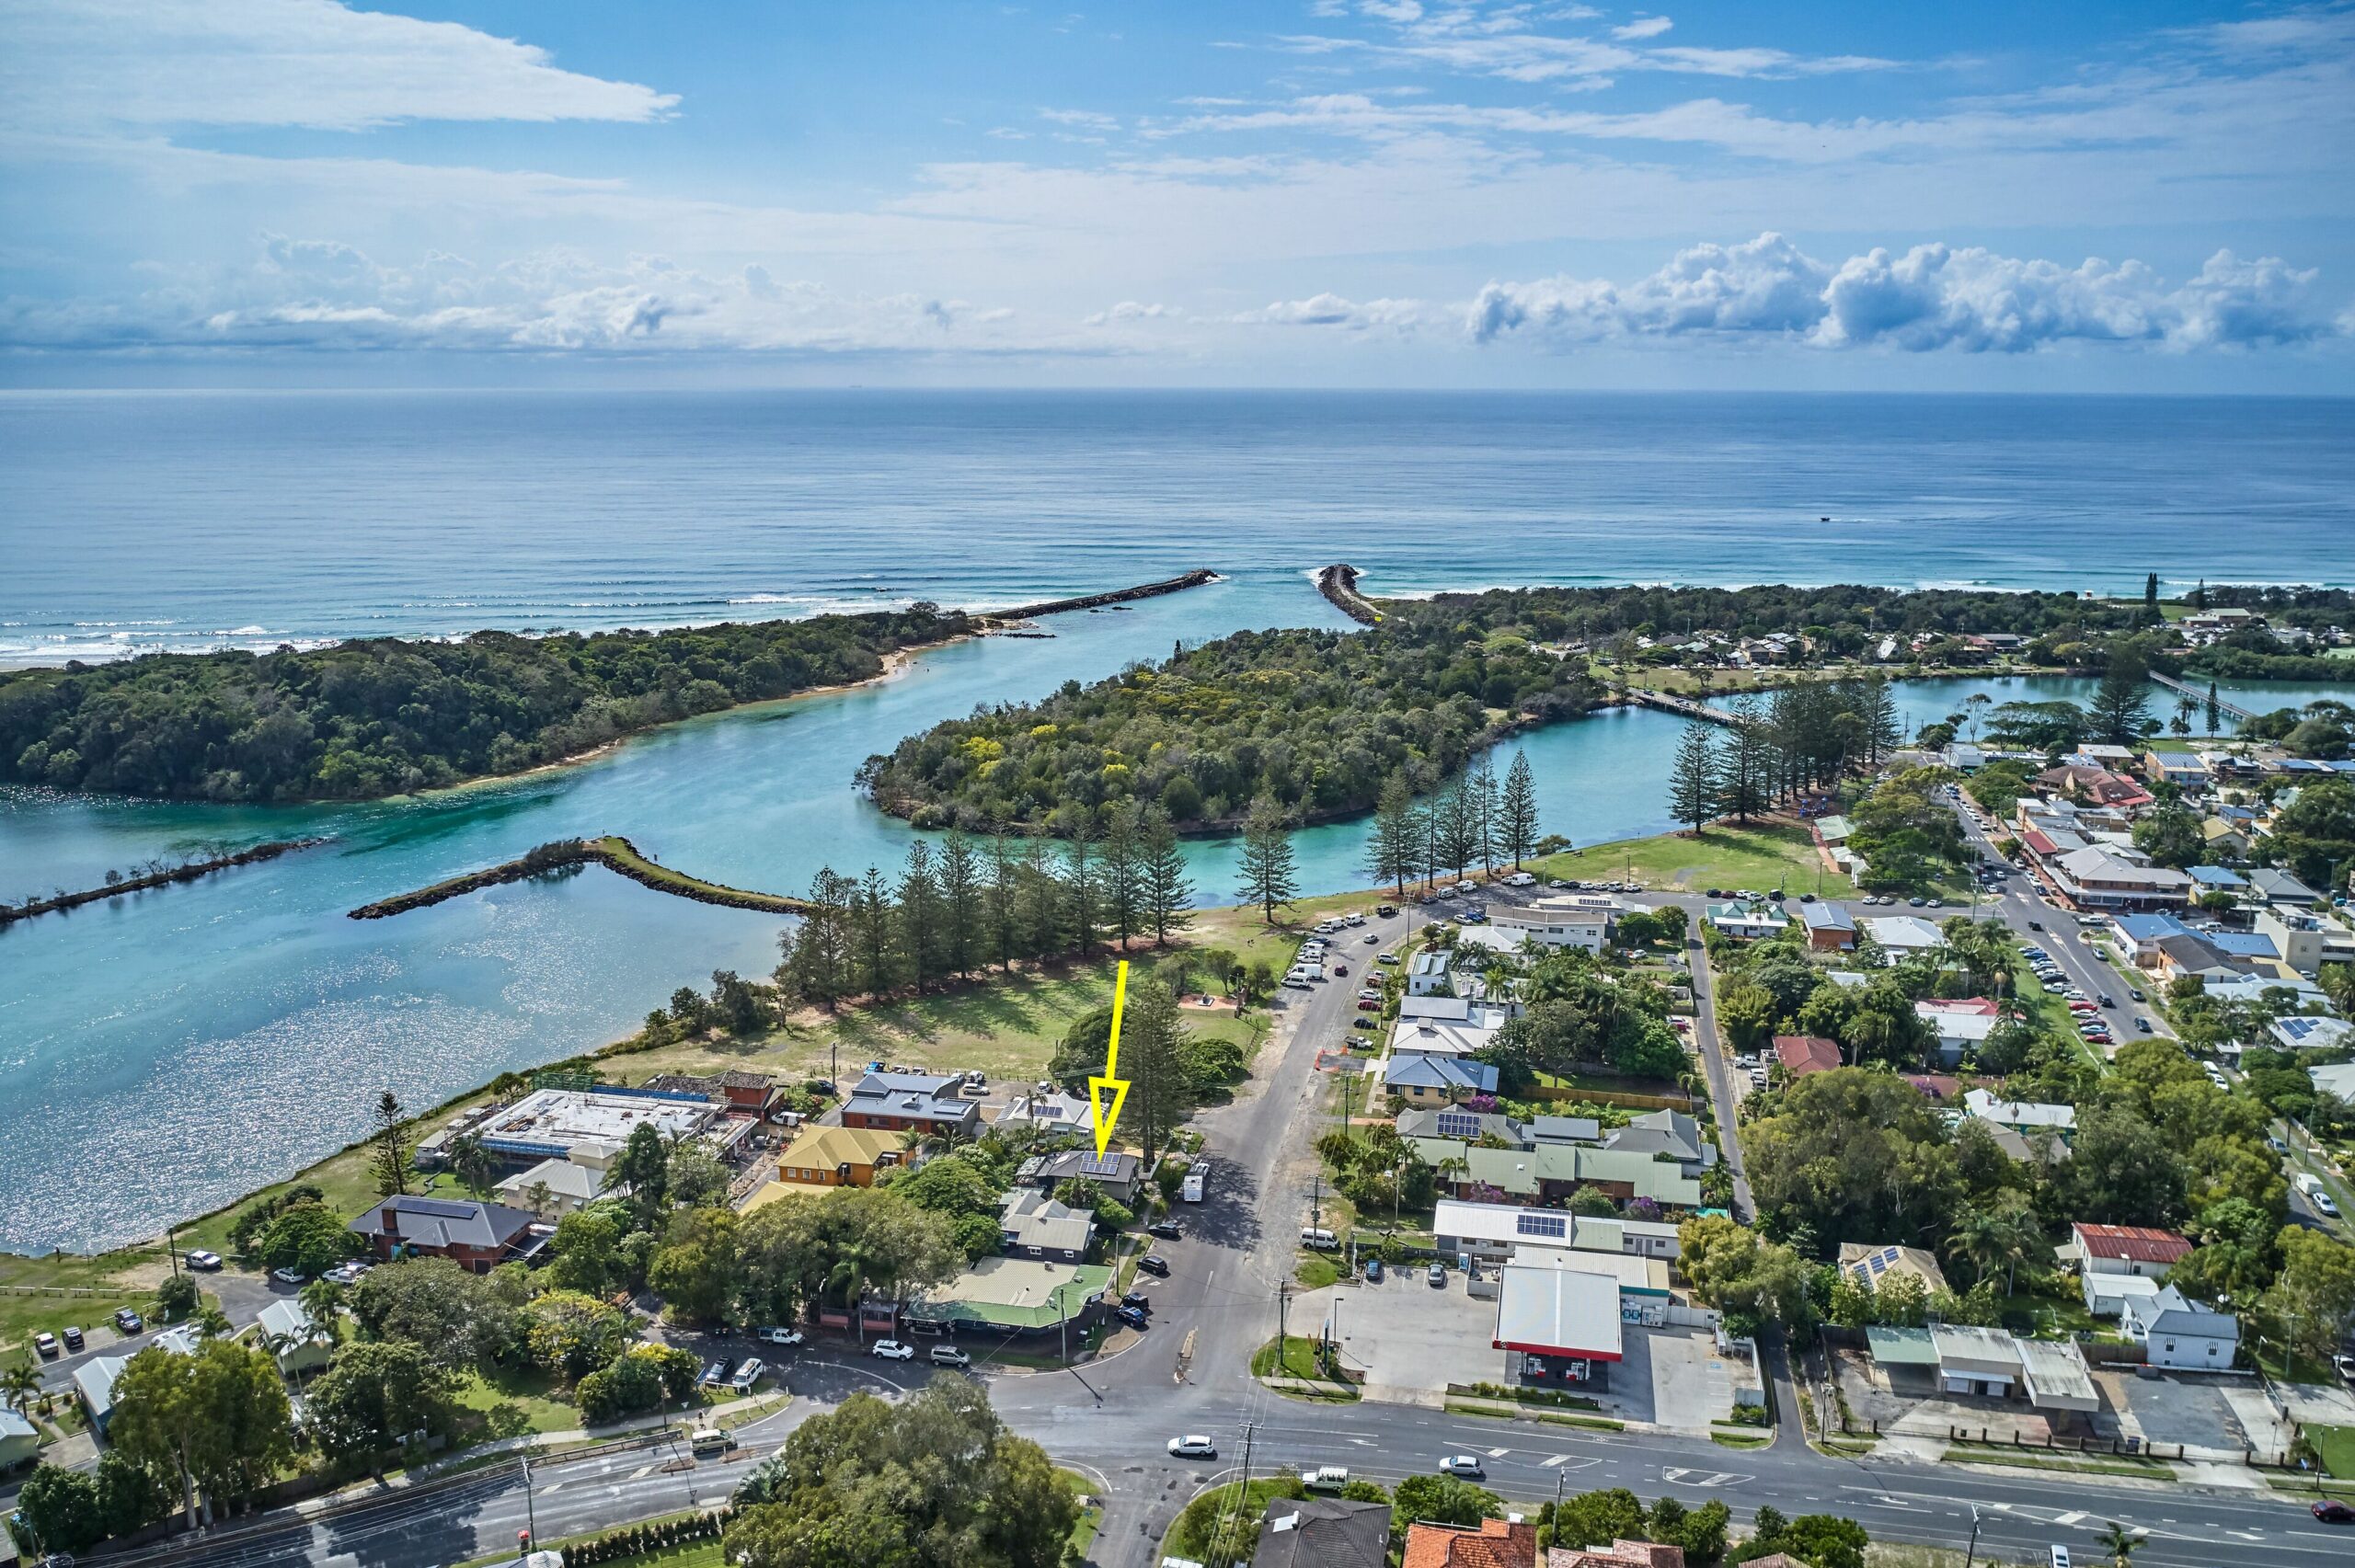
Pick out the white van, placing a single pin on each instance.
(1322, 1240)
(1521, 879)
(706, 1441)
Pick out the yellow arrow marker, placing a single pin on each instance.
(1118, 1086)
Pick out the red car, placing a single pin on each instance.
(1369, 1007)
(2334, 1513)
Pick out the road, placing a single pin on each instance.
(1238, 1249)
(242, 1297)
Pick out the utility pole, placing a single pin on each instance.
(172, 1248)
(1972, 1556)
(1283, 1300)
(531, 1519)
(1317, 1200)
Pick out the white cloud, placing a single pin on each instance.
(310, 63)
(1128, 310)
(1933, 296)
(1648, 27)
(1333, 311)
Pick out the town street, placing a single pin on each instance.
(1221, 1297)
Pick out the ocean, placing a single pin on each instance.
(162, 1054)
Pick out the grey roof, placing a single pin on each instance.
(1826, 917)
(1417, 1070)
(1567, 1130)
(1423, 1121)
(1081, 1164)
(2169, 1310)
(561, 1177)
(445, 1222)
(2279, 886)
(1030, 1219)
(1447, 1009)
(1323, 1532)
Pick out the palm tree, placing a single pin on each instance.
(851, 1273)
(322, 1301)
(19, 1386)
(2120, 1542)
(1978, 1236)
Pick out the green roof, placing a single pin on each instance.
(1902, 1347)
(1015, 1293)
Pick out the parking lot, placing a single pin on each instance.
(1413, 1340)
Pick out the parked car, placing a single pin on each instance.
(204, 1262)
(1364, 1023)
(1437, 1276)
(1373, 1271)
(126, 1321)
(46, 1343)
(1137, 1299)
(715, 1373)
(1192, 1446)
(1463, 1467)
(2325, 1206)
(1368, 1005)
(73, 1337)
(947, 1356)
(1387, 958)
(1153, 1263)
(892, 1350)
(1386, 911)
(1167, 1230)
(779, 1334)
(1130, 1316)
(747, 1372)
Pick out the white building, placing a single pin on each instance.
(2180, 1333)
(1426, 972)
(1571, 920)
(1903, 935)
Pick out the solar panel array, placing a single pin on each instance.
(1100, 1165)
(1459, 1124)
(1556, 1225)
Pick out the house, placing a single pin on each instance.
(1803, 1054)
(2339, 1079)
(1902, 936)
(1566, 1130)
(1577, 921)
(835, 1157)
(1961, 1024)
(1831, 831)
(1558, 1326)
(1054, 1112)
(2218, 837)
(1492, 1543)
(300, 1346)
(1618, 1554)
(1744, 921)
(1665, 1134)
(911, 1101)
(93, 1379)
(1033, 1225)
(1829, 928)
(553, 1188)
(1323, 1532)
(1426, 972)
(1976, 1360)
(2176, 957)
(2267, 886)
(2182, 768)
(1434, 1079)
(1014, 1296)
(1117, 1174)
(2107, 1253)
(1445, 1025)
(2179, 1334)
(2092, 783)
(2027, 1118)
(1866, 1266)
(476, 1236)
(2139, 936)
(2208, 880)
(19, 1441)
(1470, 1127)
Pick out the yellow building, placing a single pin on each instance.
(830, 1157)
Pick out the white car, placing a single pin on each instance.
(892, 1350)
(785, 1336)
(948, 1356)
(203, 1261)
(1467, 1466)
(1193, 1445)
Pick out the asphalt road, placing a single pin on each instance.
(1223, 1292)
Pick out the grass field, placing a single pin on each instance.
(2336, 1447)
(513, 1400)
(45, 1294)
(1761, 855)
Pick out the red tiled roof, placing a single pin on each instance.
(2034, 840)
(1619, 1554)
(1496, 1544)
(1966, 1006)
(2132, 1244)
(1806, 1053)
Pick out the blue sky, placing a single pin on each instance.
(2143, 196)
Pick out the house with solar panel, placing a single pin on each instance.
(1117, 1174)
(1054, 1113)
(1869, 1266)
(912, 1102)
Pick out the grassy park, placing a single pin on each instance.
(1762, 855)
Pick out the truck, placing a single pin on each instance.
(1190, 1189)
(2308, 1184)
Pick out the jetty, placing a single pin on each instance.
(614, 853)
(1338, 583)
(1200, 577)
(1684, 706)
(2172, 684)
(163, 878)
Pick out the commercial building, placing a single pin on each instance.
(1494, 1233)
(2093, 879)
(1976, 1360)
(1014, 1295)
(588, 1127)
(1575, 921)
(1558, 1325)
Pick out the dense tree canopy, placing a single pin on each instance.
(381, 716)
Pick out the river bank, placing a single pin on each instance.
(167, 877)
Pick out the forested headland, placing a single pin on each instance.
(387, 717)
(1310, 721)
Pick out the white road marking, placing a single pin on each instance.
(1498, 1453)
(641, 1472)
(2071, 1519)
(552, 1489)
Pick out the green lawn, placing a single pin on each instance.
(1299, 1359)
(1761, 855)
(1091, 1519)
(2337, 1445)
(46, 1294)
(1316, 1271)
(510, 1401)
